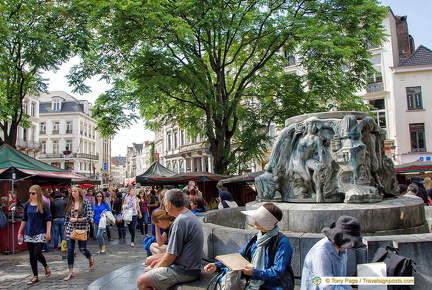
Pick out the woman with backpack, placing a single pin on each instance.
(269, 251)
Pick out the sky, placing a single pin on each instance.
(419, 18)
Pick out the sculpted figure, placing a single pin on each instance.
(328, 157)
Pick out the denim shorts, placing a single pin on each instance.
(165, 277)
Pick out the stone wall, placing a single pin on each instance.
(221, 239)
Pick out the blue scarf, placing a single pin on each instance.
(258, 258)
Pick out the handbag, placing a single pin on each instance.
(79, 235)
(233, 280)
(119, 218)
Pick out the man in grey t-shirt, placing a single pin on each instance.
(182, 260)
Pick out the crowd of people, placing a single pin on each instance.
(51, 218)
(175, 234)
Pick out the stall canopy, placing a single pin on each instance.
(413, 167)
(155, 170)
(250, 177)
(17, 165)
(182, 178)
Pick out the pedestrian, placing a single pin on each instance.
(162, 220)
(117, 211)
(182, 260)
(58, 211)
(100, 207)
(421, 189)
(328, 257)
(269, 251)
(143, 220)
(225, 200)
(197, 204)
(131, 202)
(35, 230)
(78, 215)
(193, 188)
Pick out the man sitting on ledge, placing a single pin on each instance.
(182, 260)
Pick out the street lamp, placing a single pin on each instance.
(67, 154)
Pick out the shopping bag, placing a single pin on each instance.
(110, 218)
(102, 222)
(127, 214)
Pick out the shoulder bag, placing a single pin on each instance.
(79, 235)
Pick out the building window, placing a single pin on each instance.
(68, 145)
(56, 128)
(417, 134)
(32, 109)
(169, 141)
(414, 98)
(175, 139)
(24, 108)
(56, 105)
(55, 146)
(25, 132)
(69, 127)
(182, 139)
(379, 110)
(42, 128)
(290, 59)
(43, 147)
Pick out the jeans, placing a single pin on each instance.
(108, 231)
(71, 249)
(99, 235)
(132, 226)
(35, 253)
(121, 230)
(143, 223)
(58, 226)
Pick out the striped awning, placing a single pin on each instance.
(412, 167)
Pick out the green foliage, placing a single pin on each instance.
(216, 67)
(34, 36)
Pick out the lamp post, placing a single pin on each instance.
(67, 154)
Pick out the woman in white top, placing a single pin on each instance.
(131, 202)
(225, 200)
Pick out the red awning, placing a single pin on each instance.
(412, 167)
(60, 175)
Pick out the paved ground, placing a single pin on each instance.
(119, 261)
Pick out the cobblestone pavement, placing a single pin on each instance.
(15, 269)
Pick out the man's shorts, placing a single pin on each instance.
(165, 277)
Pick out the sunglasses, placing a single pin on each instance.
(98, 195)
(32, 193)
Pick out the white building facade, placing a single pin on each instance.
(68, 136)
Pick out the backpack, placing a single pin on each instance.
(397, 265)
(286, 281)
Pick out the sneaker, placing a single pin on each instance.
(132, 245)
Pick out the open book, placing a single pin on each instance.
(234, 261)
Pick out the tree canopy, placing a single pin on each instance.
(34, 36)
(217, 67)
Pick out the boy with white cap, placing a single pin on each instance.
(269, 251)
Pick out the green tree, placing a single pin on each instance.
(216, 67)
(34, 36)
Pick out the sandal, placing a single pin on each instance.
(68, 277)
(34, 280)
(91, 263)
(47, 271)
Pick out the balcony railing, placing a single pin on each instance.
(375, 87)
(27, 144)
(56, 131)
(42, 132)
(88, 156)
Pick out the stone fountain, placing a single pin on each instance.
(322, 166)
